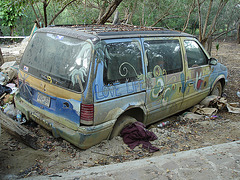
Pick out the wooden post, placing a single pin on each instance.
(1, 57)
(17, 130)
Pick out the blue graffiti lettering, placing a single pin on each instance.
(136, 85)
(97, 93)
(105, 91)
(114, 90)
(130, 87)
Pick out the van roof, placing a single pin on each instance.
(98, 32)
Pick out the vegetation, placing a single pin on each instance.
(10, 12)
(209, 19)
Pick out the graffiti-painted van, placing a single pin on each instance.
(85, 84)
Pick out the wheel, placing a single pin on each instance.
(121, 123)
(217, 89)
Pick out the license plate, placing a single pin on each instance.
(44, 100)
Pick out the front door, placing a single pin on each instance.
(197, 73)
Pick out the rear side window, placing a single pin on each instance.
(164, 53)
(122, 62)
(195, 56)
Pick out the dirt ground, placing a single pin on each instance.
(56, 155)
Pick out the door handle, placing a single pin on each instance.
(190, 83)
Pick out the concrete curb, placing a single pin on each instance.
(213, 162)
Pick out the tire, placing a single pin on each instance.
(121, 123)
(217, 89)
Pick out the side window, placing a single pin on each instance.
(123, 62)
(164, 53)
(195, 55)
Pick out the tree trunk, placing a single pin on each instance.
(130, 15)
(37, 18)
(11, 30)
(102, 10)
(199, 21)
(1, 33)
(110, 10)
(1, 57)
(206, 20)
(41, 22)
(209, 45)
(45, 13)
(143, 13)
(238, 33)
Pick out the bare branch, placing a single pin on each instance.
(165, 14)
(223, 33)
(48, 2)
(212, 27)
(40, 14)
(91, 5)
(129, 18)
(60, 11)
(206, 20)
(153, 9)
(172, 17)
(189, 14)
(37, 21)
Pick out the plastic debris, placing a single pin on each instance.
(213, 117)
(10, 110)
(238, 94)
(2, 78)
(162, 124)
(20, 118)
(10, 73)
(191, 115)
(8, 64)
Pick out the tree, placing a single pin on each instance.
(209, 27)
(42, 14)
(10, 11)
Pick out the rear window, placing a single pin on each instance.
(58, 59)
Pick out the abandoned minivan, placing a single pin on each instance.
(86, 83)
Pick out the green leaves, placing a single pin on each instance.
(9, 12)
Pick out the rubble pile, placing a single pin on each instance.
(8, 88)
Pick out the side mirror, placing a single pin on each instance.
(213, 61)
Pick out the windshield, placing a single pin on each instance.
(58, 59)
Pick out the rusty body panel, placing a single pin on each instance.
(146, 75)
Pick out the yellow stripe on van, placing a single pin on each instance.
(48, 88)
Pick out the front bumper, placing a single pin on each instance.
(81, 136)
